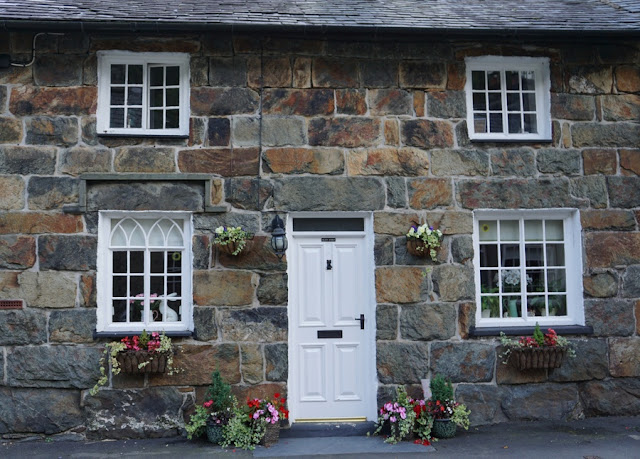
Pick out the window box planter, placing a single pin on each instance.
(129, 362)
(537, 358)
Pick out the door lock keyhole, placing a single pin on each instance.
(329, 267)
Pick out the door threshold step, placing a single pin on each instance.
(327, 429)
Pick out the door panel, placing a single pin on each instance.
(313, 375)
(347, 305)
(312, 285)
(347, 376)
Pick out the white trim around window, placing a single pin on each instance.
(144, 274)
(508, 98)
(143, 94)
(528, 267)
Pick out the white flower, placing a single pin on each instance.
(219, 230)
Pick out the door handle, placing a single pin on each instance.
(361, 319)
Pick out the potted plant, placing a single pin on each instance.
(423, 241)
(446, 412)
(231, 239)
(214, 413)
(142, 353)
(423, 424)
(539, 351)
(268, 412)
(398, 416)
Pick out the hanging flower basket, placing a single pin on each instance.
(130, 361)
(271, 434)
(537, 358)
(417, 248)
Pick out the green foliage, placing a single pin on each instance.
(241, 432)
(391, 414)
(461, 416)
(538, 335)
(219, 392)
(225, 235)
(196, 425)
(441, 388)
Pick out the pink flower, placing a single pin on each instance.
(392, 419)
(208, 404)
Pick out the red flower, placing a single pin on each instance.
(208, 404)
(276, 395)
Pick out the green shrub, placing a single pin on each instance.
(441, 388)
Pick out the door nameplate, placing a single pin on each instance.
(328, 239)
(329, 334)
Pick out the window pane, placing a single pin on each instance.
(512, 79)
(534, 255)
(120, 262)
(134, 95)
(477, 79)
(136, 285)
(515, 127)
(488, 255)
(555, 255)
(174, 285)
(117, 96)
(479, 101)
(156, 76)
(528, 80)
(134, 118)
(116, 118)
(513, 102)
(495, 101)
(173, 97)
(494, 80)
(157, 98)
(511, 280)
(532, 230)
(530, 124)
(489, 281)
(509, 230)
(137, 262)
(510, 254)
(529, 102)
(119, 286)
(495, 122)
(557, 305)
(157, 285)
(135, 74)
(157, 262)
(173, 119)
(535, 280)
(490, 304)
(557, 280)
(535, 305)
(119, 311)
(136, 309)
(155, 121)
(176, 307)
(479, 122)
(511, 306)
(173, 76)
(488, 230)
(117, 74)
(174, 262)
(554, 230)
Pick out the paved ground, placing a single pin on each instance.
(594, 438)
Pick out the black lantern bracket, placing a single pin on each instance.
(279, 241)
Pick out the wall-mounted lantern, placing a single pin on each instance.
(278, 237)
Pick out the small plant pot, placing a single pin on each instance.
(130, 362)
(443, 428)
(537, 358)
(214, 433)
(271, 435)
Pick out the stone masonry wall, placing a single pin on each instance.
(292, 124)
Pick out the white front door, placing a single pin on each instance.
(332, 372)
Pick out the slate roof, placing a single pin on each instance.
(515, 16)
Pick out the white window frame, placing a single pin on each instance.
(540, 65)
(104, 275)
(573, 266)
(147, 60)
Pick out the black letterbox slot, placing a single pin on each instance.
(329, 333)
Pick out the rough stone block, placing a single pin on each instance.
(609, 219)
(304, 160)
(428, 322)
(402, 363)
(396, 192)
(305, 102)
(610, 317)
(276, 72)
(328, 193)
(422, 74)
(597, 161)
(623, 191)
(379, 73)
(390, 102)
(11, 193)
(463, 362)
(446, 104)
(10, 129)
(54, 366)
(50, 411)
(134, 42)
(227, 71)
(73, 326)
(429, 193)
(453, 283)
(462, 249)
(80, 160)
(36, 223)
(351, 101)
(218, 132)
(630, 162)
(459, 162)
(36, 288)
(593, 188)
(427, 134)
(509, 374)
(419, 103)
(386, 322)
(206, 101)
(258, 325)
(605, 135)
(515, 194)
(391, 132)
(589, 79)
(252, 363)
(388, 161)
(160, 195)
(204, 321)
(589, 363)
(400, 284)
(145, 159)
(283, 131)
(259, 256)
(33, 100)
(572, 107)
(43, 130)
(208, 223)
(17, 252)
(197, 131)
(273, 289)
(466, 318)
(538, 402)
(394, 223)
(58, 70)
(22, 327)
(613, 397)
(88, 290)
(631, 282)
(383, 250)
(228, 162)
(451, 222)
(302, 72)
(223, 288)
(27, 160)
(88, 130)
(628, 78)
(276, 362)
(67, 253)
(334, 73)
(558, 161)
(134, 413)
(621, 107)
(248, 193)
(611, 249)
(601, 285)
(344, 132)
(483, 400)
(46, 193)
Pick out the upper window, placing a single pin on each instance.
(508, 98)
(144, 271)
(528, 268)
(143, 93)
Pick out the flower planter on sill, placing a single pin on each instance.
(129, 362)
(537, 358)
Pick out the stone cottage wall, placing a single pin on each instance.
(283, 125)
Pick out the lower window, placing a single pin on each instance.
(144, 271)
(528, 268)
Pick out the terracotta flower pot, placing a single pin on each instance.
(537, 358)
(129, 362)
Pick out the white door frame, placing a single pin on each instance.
(370, 377)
